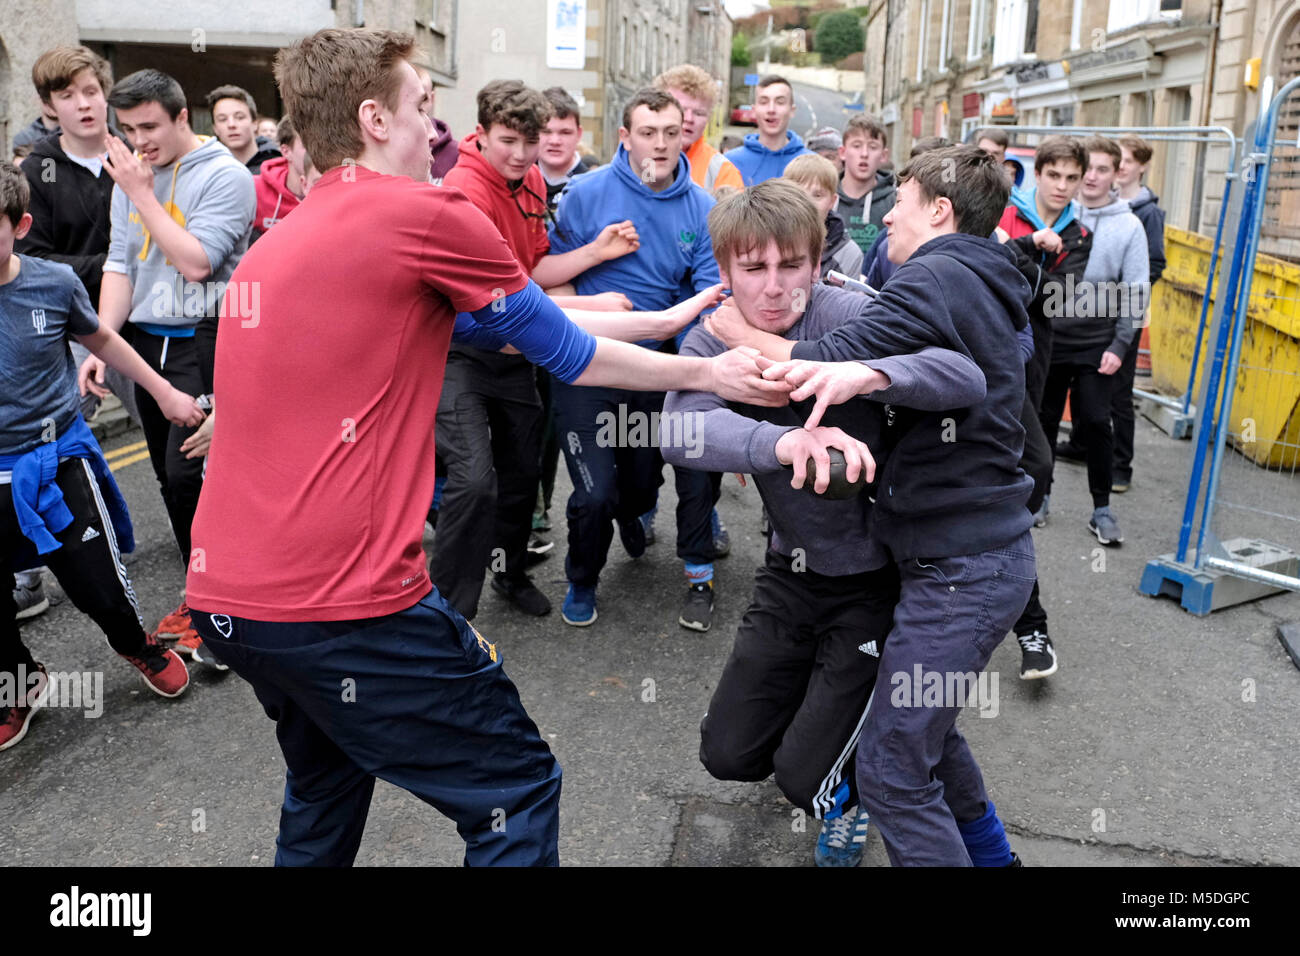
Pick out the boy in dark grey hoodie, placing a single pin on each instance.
(950, 501)
(795, 691)
(1095, 326)
(181, 215)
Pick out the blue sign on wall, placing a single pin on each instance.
(751, 79)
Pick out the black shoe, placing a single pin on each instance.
(632, 533)
(1121, 483)
(537, 545)
(697, 612)
(1038, 657)
(1065, 451)
(1015, 861)
(522, 594)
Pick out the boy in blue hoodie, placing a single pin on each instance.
(950, 506)
(765, 154)
(616, 477)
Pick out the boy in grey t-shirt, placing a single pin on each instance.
(58, 502)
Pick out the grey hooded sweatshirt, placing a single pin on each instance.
(211, 194)
(1109, 303)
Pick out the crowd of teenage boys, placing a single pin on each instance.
(125, 250)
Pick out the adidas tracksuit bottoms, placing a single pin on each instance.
(793, 696)
(88, 567)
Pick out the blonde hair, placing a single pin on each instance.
(775, 209)
(813, 170)
(690, 79)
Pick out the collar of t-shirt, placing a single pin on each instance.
(94, 163)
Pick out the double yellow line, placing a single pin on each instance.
(119, 458)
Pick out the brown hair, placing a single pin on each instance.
(324, 79)
(232, 92)
(928, 143)
(690, 79)
(969, 178)
(1060, 149)
(867, 126)
(14, 192)
(511, 104)
(657, 100)
(774, 209)
(771, 80)
(1139, 147)
(55, 68)
(284, 131)
(998, 137)
(1101, 144)
(813, 170)
(562, 104)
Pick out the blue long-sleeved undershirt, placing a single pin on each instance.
(533, 324)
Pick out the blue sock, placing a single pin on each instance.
(985, 840)
(838, 801)
(699, 573)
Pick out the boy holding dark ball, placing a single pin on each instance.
(794, 694)
(950, 508)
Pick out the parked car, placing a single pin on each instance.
(744, 115)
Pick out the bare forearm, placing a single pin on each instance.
(183, 250)
(114, 300)
(621, 326)
(107, 345)
(558, 268)
(622, 365)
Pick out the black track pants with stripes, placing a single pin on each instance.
(794, 693)
(88, 567)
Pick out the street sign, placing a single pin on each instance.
(751, 79)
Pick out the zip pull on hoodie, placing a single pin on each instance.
(757, 163)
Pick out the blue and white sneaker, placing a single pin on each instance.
(842, 840)
(579, 606)
(721, 540)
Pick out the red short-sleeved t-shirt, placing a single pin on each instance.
(330, 357)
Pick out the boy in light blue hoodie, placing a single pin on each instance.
(182, 212)
(765, 154)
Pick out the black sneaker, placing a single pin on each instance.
(697, 612)
(1066, 451)
(1038, 657)
(632, 533)
(1015, 861)
(522, 594)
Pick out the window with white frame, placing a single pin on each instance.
(922, 38)
(1015, 31)
(945, 37)
(978, 28)
(1130, 13)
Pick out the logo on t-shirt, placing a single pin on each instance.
(38, 321)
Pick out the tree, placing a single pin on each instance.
(740, 51)
(838, 35)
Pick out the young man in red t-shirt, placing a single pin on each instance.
(307, 577)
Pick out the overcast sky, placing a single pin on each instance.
(743, 8)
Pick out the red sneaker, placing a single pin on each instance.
(162, 669)
(175, 624)
(14, 720)
(188, 642)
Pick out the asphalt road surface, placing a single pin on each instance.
(1164, 739)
